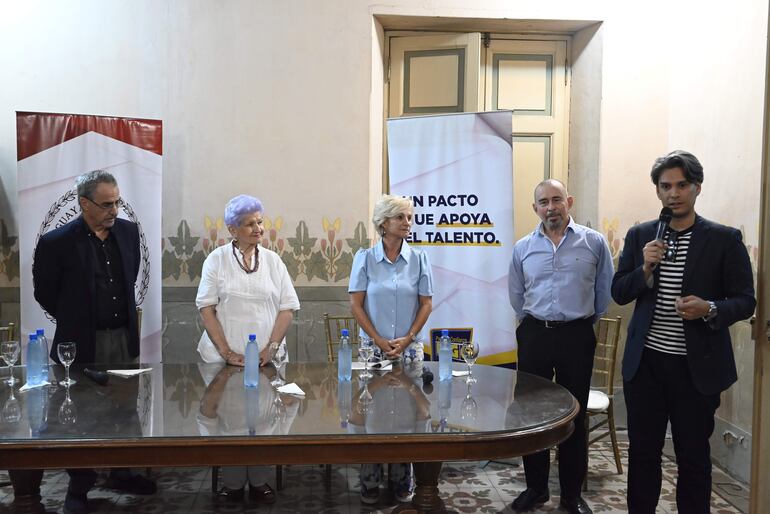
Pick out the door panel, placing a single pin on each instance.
(434, 74)
(531, 164)
(529, 78)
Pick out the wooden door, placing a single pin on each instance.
(530, 78)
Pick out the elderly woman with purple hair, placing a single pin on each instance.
(245, 289)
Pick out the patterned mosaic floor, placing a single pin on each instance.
(467, 487)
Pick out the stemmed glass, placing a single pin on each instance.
(277, 362)
(10, 353)
(68, 412)
(365, 353)
(364, 399)
(470, 351)
(11, 409)
(66, 352)
(469, 409)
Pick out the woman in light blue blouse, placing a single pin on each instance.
(391, 287)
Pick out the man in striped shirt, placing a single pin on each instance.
(689, 286)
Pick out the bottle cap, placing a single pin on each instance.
(33, 336)
(344, 332)
(252, 337)
(444, 332)
(40, 332)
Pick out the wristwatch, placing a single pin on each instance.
(274, 345)
(712, 313)
(412, 337)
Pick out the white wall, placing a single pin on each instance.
(281, 99)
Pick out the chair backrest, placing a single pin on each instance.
(7, 333)
(607, 335)
(334, 326)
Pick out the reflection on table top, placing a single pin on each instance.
(194, 400)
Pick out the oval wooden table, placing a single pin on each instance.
(201, 415)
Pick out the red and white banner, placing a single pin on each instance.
(52, 150)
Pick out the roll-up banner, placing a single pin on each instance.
(457, 169)
(52, 150)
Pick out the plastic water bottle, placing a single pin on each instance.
(44, 349)
(251, 373)
(37, 410)
(34, 362)
(344, 402)
(252, 408)
(344, 358)
(444, 357)
(444, 401)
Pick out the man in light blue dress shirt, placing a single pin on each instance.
(559, 285)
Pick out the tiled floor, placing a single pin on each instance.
(467, 487)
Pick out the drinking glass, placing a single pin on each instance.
(68, 412)
(10, 353)
(67, 352)
(11, 410)
(469, 352)
(469, 409)
(364, 399)
(365, 353)
(277, 362)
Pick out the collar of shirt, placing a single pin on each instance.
(405, 253)
(571, 226)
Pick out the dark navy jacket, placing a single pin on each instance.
(717, 269)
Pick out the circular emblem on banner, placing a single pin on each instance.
(66, 208)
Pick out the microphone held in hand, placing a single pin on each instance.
(100, 377)
(663, 220)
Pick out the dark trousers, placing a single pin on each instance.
(568, 351)
(661, 391)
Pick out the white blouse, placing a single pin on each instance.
(246, 303)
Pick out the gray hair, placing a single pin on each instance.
(387, 207)
(88, 182)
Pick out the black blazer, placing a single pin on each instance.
(717, 269)
(63, 278)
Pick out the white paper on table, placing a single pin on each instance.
(291, 388)
(127, 373)
(27, 386)
(359, 366)
(458, 373)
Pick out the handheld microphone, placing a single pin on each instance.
(100, 377)
(663, 220)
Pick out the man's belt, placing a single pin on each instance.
(556, 324)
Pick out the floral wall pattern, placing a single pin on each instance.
(324, 256)
(315, 254)
(9, 257)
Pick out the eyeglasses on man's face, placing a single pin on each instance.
(108, 206)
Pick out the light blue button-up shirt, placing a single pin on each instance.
(392, 288)
(561, 283)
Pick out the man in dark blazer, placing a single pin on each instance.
(84, 274)
(75, 278)
(690, 286)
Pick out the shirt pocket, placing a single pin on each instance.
(582, 265)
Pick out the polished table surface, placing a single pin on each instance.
(200, 414)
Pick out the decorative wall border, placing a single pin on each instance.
(321, 257)
(316, 258)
